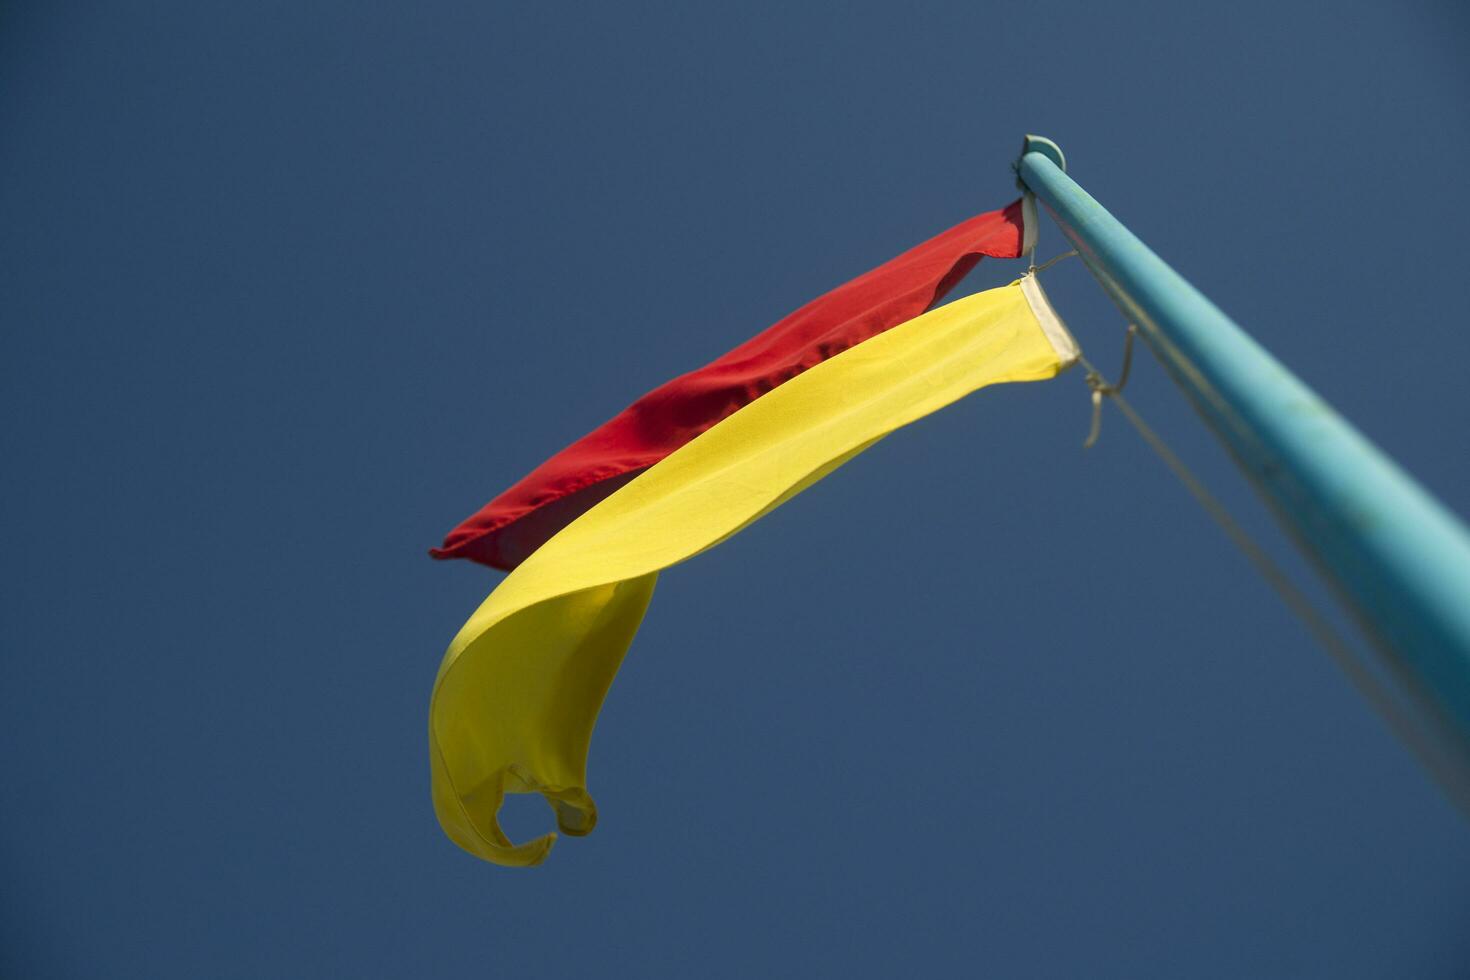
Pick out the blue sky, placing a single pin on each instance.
(289, 289)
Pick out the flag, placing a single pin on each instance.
(521, 519)
(520, 687)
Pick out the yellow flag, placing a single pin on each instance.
(521, 684)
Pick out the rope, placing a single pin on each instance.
(1033, 268)
(1432, 752)
(1048, 263)
(1100, 387)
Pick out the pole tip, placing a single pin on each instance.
(1044, 146)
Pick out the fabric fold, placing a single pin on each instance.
(520, 687)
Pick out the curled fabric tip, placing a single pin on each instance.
(519, 719)
(472, 820)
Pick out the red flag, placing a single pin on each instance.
(521, 519)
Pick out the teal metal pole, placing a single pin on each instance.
(1397, 557)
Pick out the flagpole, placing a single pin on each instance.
(1398, 559)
